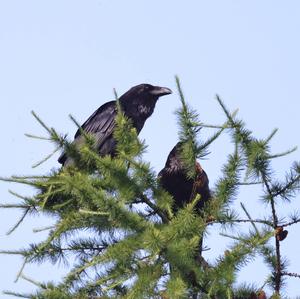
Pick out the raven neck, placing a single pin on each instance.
(146, 109)
(138, 111)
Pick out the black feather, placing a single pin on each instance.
(174, 179)
(138, 104)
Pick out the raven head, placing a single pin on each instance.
(138, 102)
(147, 91)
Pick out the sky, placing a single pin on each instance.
(64, 57)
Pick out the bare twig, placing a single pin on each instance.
(291, 223)
(241, 221)
(286, 187)
(278, 273)
(291, 274)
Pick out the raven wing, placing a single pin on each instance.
(101, 124)
(101, 121)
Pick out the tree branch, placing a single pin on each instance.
(159, 212)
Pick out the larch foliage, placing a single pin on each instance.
(118, 226)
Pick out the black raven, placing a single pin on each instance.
(173, 178)
(137, 104)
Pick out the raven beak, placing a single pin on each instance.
(160, 91)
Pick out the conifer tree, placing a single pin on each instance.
(112, 215)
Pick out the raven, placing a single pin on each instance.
(173, 178)
(137, 103)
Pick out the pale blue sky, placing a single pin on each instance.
(61, 57)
